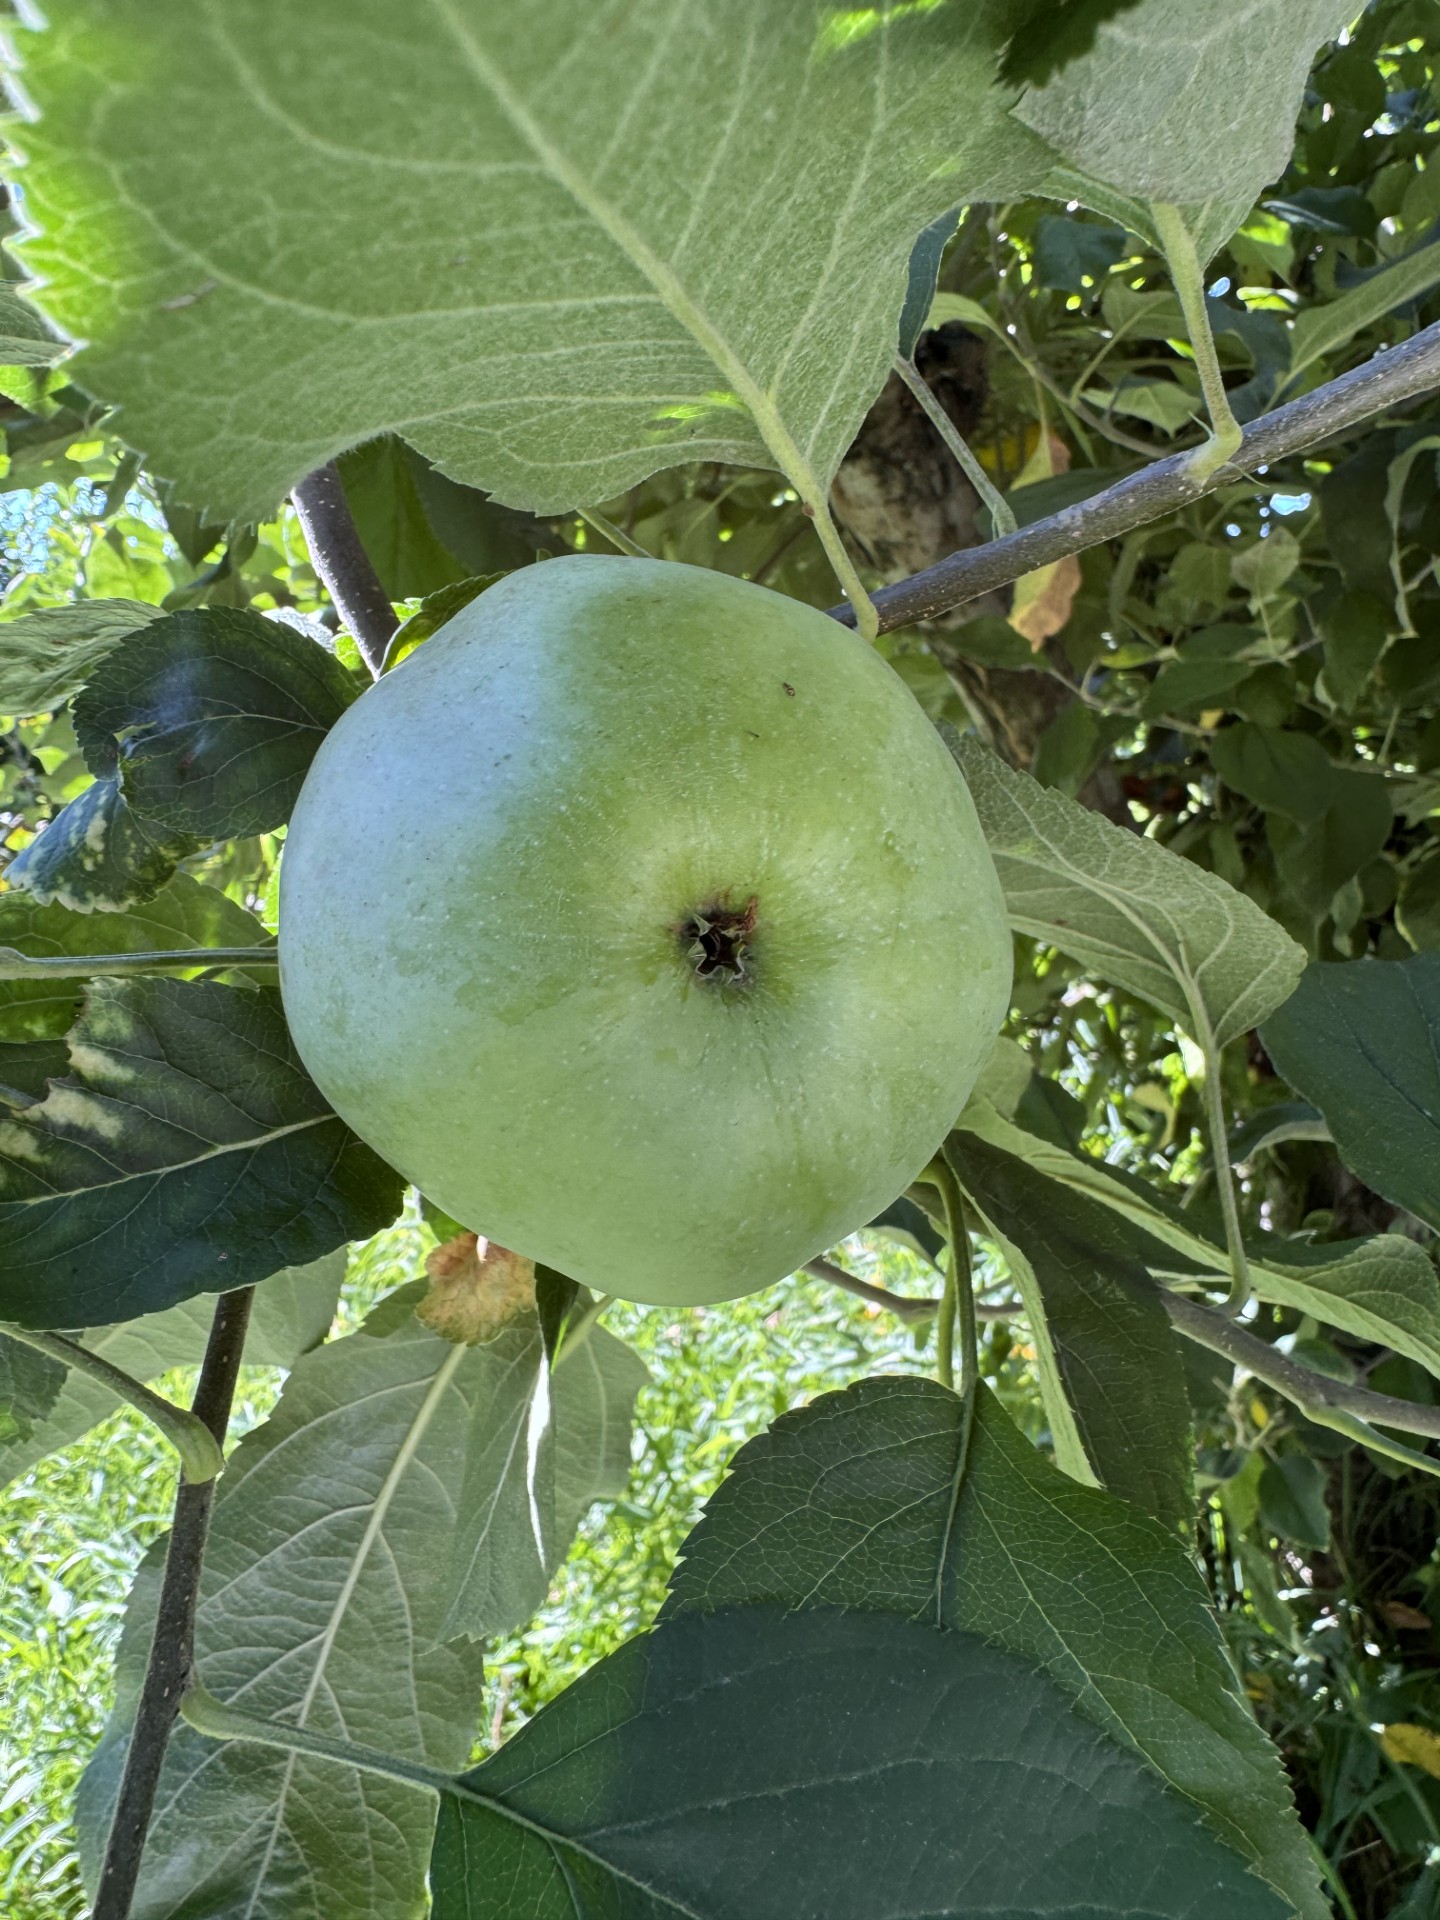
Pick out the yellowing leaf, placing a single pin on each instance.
(1412, 1746)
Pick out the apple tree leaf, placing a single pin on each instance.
(326, 1598)
(97, 855)
(25, 339)
(211, 718)
(1118, 1358)
(1182, 101)
(548, 1447)
(759, 1763)
(187, 1152)
(47, 654)
(422, 531)
(1362, 1043)
(850, 1502)
(30, 1384)
(1125, 907)
(35, 1015)
(321, 1601)
(1382, 1288)
(607, 268)
(292, 1312)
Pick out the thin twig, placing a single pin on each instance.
(897, 1303)
(199, 1451)
(906, 1306)
(342, 563)
(172, 1650)
(1390, 379)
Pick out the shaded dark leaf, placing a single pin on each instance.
(184, 913)
(1117, 1355)
(188, 1153)
(98, 855)
(850, 1502)
(211, 718)
(30, 1384)
(1362, 1042)
(756, 1765)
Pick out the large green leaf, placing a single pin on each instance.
(184, 913)
(292, 1313)
(188, 1152)
(212, 717)
(328, 1586)
(759, 1764)
(1118, 1359)
(606, 268)
(1362, 1043)
(1185, 101)
(97, 855)
(850, 1502)
(46, 655)
(1137, 915)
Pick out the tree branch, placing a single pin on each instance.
(904, 1306)
(343, 564)
(1316, 1394)
(1390, 379)
(172, 1650)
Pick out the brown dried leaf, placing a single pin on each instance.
(477, 1290)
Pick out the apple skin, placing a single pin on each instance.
(488, 938)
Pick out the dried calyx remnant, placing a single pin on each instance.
(715, 938)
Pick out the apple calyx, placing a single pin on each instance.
(716, 938)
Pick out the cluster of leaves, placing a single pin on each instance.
(1019, 1633)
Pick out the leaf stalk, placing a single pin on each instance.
(200, 1455)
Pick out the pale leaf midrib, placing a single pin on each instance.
(399, 1466)
(624, 236)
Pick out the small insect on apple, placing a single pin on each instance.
(641, 918)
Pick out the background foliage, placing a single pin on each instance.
(1253, 683)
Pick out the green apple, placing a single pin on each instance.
(643, 921)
